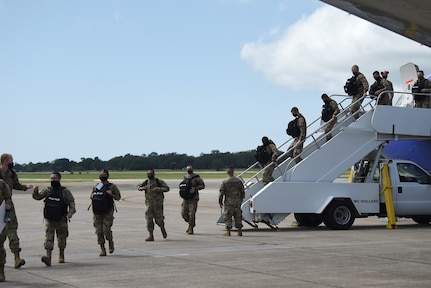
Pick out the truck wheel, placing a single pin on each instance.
(339, 215)
(422, 219)
(309, 219)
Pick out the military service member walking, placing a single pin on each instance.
(102, 200)
(297, 128)
(5, 196)
(272, 153)
(231, 196)
(154, 198)
(330, 111)
(8, 174)
(191, 185)
(59, 208)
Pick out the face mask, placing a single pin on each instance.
(190, 171)
(103, 178)
(150, 176)
(10, 166)
(55, 184)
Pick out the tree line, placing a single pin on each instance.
(215, 160)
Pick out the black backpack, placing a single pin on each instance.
(185, 187)
(327, 112)
(293, 129)
(351, 87)
(55, 206)
(377, 85)
(416, 88)
(102, 202)
(261, 155)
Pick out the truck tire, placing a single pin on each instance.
(339, 215)
(422, 219)
(309, 219)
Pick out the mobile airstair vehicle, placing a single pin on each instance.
(378, 186)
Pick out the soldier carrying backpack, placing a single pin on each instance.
(299, 132)
(59, 208)
(154, 189)
(272, 155)
(103, 196)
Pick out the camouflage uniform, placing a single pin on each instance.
(189, 207)
(362, 89)
(11, 178)
(154, 201)
(232, 190)
(330, 124)
(104, 222)
(386, 98)
(5, 194)
(426, 84)
(60, 228)
(272, 150)
(295, 149)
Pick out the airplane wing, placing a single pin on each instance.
(409, 18)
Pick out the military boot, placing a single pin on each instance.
(164, 231)
(2, 276)
(190, 230)
(111, 246)
(227, 233)
(102, 250)
(61, 256)
(47, 259)
(18, 261)
(239, 231)
(150, 237)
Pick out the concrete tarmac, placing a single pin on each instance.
(367, 255)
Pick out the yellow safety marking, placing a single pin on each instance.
(387, 191)
(350, 179)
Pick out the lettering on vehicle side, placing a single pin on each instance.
(367, 201)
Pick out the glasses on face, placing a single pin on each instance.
(150, 174)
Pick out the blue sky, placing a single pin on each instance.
(108, 78)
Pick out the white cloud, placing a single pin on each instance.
(317, 52)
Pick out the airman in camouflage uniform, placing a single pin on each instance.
(424, 86)
(103, 223)
(363, 86)
(378, 87)
(10, 177)
(60, 227)
(298, 142)
(332, 107)
(5, 194)
(271, 150)
(154, 198)
(232, 192)
(389, 85)
(189, 207)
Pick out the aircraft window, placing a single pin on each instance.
(412, 173)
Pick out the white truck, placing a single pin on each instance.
(311, 189)
(338, 204)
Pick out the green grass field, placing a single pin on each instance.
(89, 176)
